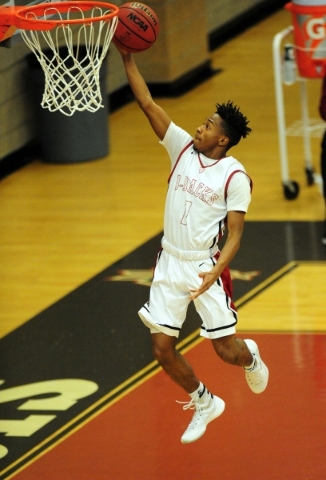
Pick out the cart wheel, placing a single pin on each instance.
(310, 176)
(291, 190)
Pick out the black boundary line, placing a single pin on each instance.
(138, 378)
(186, 344)
(266, 285)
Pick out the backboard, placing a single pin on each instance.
(15, 37)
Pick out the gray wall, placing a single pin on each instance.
(182, 46)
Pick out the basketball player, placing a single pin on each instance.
(208, 191)
(322, 110)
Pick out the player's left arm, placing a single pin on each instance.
(238, 199)
(235, 226)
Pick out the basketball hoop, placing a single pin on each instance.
(85, 29)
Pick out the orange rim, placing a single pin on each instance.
(63, 7)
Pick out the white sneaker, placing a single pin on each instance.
(202, 416)
(257, 378)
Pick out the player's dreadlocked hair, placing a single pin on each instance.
(233, 122)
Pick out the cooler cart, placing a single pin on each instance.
(310, 61)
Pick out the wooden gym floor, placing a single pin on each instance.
(78, 243)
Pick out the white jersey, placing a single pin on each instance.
(201, 192)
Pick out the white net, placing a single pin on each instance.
(72, 58)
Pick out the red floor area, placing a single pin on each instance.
(277, 435)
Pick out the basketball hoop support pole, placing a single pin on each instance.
(7, 22)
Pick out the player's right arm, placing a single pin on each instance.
(157, 117)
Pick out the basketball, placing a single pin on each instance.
(138, 27)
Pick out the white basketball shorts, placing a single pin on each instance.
(169, 298)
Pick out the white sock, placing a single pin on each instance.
(198, 392)
(251, 366)
(201, 394)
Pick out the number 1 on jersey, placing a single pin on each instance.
(186, 212)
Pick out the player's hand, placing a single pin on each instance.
(208, 279)
(119, 48)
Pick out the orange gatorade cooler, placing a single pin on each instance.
(309, 22)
